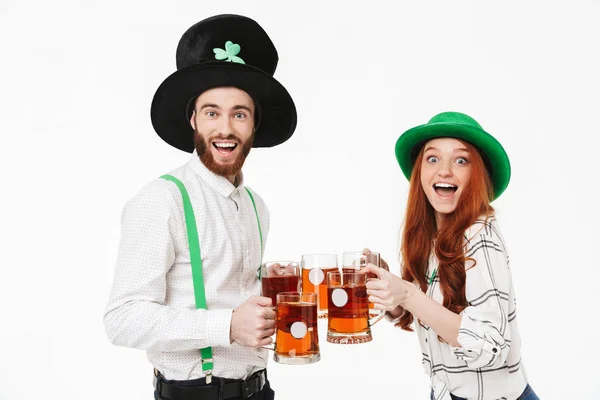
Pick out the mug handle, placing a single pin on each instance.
(377, 318)
(274, 308)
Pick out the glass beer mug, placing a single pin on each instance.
(349, 320)
(296, 333)
(314, 276)
(280, 276)
(355, 260)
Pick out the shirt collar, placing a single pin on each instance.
(219, 183)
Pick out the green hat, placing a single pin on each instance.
(459, 126)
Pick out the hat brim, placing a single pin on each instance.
(410, 143)
(168, 111)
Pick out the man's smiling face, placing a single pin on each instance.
(223, 121)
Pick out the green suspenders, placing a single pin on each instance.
(196, 261)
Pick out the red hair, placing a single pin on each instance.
(420, 235)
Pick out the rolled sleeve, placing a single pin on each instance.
(481, 343)
(484, 333)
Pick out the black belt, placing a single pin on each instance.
(230, 388)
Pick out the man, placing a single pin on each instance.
(198, 312)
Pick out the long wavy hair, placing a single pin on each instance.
(421, 236)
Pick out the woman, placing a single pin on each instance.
(456, 283)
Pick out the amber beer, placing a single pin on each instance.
(348, 308)
(321, 288)
(287, 315)
(353, 317)
(370, 275)
(352, 261)
(297, 336)
(272, 285)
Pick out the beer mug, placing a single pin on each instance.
(280, 276)
(355, 260)
(314, 276)
(296, 333)
(349, 321)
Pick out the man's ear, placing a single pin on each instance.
(193, 120)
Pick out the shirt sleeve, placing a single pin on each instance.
(136, 314)
(484, 333)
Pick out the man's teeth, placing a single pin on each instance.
(225, 144)
(444, 185)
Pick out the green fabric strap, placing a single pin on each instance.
(196, 261)
(259, 232)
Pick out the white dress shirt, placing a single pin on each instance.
(488, 365)
(152, 306)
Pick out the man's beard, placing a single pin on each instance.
(208, 160)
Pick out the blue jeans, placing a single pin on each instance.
(528, 394)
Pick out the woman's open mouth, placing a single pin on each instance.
(445, 189)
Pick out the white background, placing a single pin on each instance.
(76, 82)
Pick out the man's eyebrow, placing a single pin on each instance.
(209, 105)
(242, 107)
(236, 107)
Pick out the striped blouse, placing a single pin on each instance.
(488, 365)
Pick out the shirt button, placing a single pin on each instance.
(495, 350)
(425, 340)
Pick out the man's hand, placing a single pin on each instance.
(253, 322)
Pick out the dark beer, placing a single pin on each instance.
(271, 285)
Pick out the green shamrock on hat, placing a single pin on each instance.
(230, 53)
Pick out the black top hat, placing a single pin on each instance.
(224, 50)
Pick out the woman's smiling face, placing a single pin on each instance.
(445, 174)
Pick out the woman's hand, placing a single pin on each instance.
(389, 291)
(382, 262)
